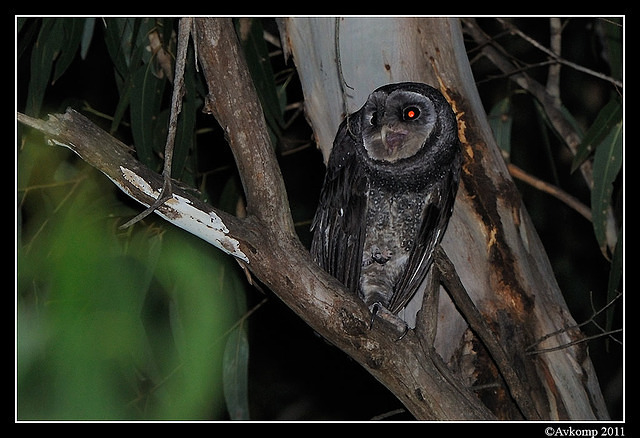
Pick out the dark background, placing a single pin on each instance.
(294, 373)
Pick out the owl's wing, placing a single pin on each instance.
(434, 223)
(338, 233)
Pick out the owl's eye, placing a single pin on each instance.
(410, 113)
(374, 118)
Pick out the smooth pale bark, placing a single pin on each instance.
(491, 240)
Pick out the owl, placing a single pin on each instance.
(388, 194)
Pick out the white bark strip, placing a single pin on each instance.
(181, 212)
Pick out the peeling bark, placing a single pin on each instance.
(490, 240)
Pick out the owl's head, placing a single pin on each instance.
(398, 120)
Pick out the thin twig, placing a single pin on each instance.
(530, 350)
(579, 341)
(503, 61)
(554, 191)
(184, 29)
(559, 59)
(553, 78)
(388, 414)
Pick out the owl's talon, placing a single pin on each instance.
(374, 310)
(399, 325)
(391, 182)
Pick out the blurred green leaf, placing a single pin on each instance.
(607, 118)
(76, 300)
(607, 163)
(111, 324)
(202, 284)
(501, 121)
(235, 363)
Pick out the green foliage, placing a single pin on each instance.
(151, 323)
(143, 324)
(607, 164)
(113, 324)
(55, 46)
(501, 122)
(236, 382)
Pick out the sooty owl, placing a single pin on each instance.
(388, 193)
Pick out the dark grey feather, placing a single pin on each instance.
(388, 193)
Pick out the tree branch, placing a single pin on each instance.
(112, 157)
(554, 53)
(494, 52)
(516, 385)
(554, 191)
(233, 100)
(265, 240)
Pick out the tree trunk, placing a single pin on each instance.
(490, 240)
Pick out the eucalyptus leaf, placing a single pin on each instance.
(607, 118)
(612, 44)
(43, 56)
(185, 132)
(87, 36)
(72, 29)
(127, 48)
(607, 163)
(235, 364)
(501, 121)
(615, 275)
(115, 37)
(146, 97)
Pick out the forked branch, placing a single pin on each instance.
(265, 241)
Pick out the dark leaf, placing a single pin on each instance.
(87, 36)
(235, 365)
(72, 29)
(500, 120)
(615, 275)
(127, 48)
(43, 56)
(146, 97)
(607, 163)
(608, 117)
(612, 44)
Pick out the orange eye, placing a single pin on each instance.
(410, 113)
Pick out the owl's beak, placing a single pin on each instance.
(392, 138)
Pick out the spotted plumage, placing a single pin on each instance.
(388, 193)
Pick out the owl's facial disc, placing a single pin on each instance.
(396, 126)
